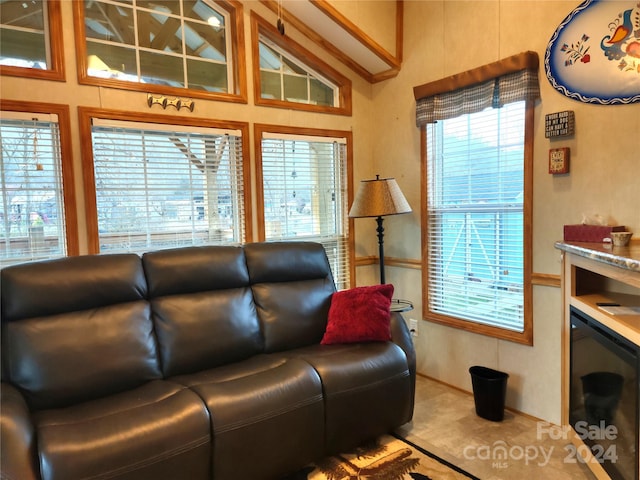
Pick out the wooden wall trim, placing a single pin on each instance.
(329, 10)
(545, 280)
(539, 279)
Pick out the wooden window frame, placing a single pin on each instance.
(86, 114)
(66, 159)
(236, 30)
(56, 71)
(260, 27)
(526, 336)
(258, 131)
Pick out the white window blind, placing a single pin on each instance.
(475, 216)
(305, 195)
(162, 187)
(32, 223)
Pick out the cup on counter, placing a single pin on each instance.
(621, 239)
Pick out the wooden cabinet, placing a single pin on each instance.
(593, 275)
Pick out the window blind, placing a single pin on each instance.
(32, 223)
(305, 195)
(475, 216)
(167, 186)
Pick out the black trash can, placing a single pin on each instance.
(601, 393)
(489, 392)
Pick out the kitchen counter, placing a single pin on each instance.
(627, 258)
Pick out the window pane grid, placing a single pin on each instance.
(32, 224)
(119, 34)
(475, 217)
(164, 189)
(286, 79)
(24, 24)
(304, 191)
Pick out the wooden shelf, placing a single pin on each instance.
(627, 326)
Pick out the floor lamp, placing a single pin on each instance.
(378, 198)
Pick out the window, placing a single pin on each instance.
(164, 45)
(163, 186)
(31, 43)
(33, 220)
(303, 182)
(288, 76)
(477, 144)
(475, 217)
(284, 78)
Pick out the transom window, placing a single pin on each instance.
(171, 43)
(163, 186)
(286, 75)
(303, 181)
(31, 33)
(285, 78)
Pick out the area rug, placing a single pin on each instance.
(386, 458)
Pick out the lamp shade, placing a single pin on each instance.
(379, 197)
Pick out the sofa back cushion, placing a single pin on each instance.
(202, 307)
(292, 287)
(76, 328)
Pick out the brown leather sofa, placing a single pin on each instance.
(193, 363)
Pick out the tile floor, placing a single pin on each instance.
(445, 423)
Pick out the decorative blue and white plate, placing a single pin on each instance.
(594, 55)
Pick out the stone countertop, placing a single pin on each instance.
(627, 258)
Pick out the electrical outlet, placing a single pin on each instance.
(413, 327)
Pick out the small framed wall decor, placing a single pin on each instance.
(559, 160)
(559, 124)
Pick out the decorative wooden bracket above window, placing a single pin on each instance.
(177, 103)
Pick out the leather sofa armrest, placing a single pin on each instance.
(401, 336)
(18, 457)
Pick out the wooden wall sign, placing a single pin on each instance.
(559, 160)
(559, 124)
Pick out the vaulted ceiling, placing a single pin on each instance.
(333, 31)
(319, 20)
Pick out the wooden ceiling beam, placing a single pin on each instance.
(324, 8)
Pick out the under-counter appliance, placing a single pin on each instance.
(604, 394)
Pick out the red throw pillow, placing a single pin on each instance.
(360, 314)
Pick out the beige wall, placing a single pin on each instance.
(442, 38)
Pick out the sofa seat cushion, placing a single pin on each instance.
(160, 430)
(262, 409)
(361, 382)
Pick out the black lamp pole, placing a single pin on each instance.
(380, 231)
